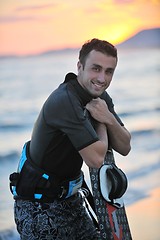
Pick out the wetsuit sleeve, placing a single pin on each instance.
(65, 113)
(105, 96)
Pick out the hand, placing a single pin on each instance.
(99, 110)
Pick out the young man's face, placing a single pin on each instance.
(96, 75)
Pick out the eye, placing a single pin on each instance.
(109, 71)
(96, 68)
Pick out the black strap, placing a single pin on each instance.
(91, 203)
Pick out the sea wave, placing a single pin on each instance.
(136, 112)
(9, 234)
(146, 140)
(11, 127)
(145, 170)
(134, 195)
(12, 155)
(144, 132)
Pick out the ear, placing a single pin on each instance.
(79, 65)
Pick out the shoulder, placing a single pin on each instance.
(61, 96)
(105, 96)
(63, 103)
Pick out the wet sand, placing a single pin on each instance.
(144, 217)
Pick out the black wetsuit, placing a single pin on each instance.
(62, 129)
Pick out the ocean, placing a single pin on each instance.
(26, 82)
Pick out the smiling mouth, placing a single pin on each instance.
(98, 85)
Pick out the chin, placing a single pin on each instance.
(96, 95)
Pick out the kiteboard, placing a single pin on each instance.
(111, 215)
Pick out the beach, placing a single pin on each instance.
(144, 217)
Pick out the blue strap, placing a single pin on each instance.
(38, 195)
(45, 176)
(14, 191)
(23, 158)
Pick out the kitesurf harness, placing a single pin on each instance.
(32, 183)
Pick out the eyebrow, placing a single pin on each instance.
(96, 65)
(110, 69)
(99, 66)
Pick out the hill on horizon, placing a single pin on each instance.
(143, 39)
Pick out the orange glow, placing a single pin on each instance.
(33, 26)
(144, 217)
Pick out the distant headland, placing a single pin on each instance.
(144, 39)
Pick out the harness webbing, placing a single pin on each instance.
(91, 203)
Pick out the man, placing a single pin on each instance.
(48, 204)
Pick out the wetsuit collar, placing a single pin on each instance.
(85, 96)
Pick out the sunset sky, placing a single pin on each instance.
(33, 26)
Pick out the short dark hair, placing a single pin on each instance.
(97, 45)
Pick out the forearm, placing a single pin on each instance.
(119, 137)
(101, 131)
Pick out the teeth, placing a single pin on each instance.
(98, 85)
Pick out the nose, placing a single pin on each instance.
(101, 77)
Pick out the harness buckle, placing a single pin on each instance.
(71, 187)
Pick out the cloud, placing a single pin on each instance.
(18, 14)
(36, 7)
(15, 19)
(123, 1)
